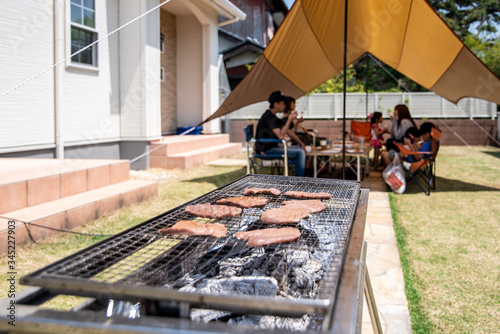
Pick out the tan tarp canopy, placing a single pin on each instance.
(407, 35)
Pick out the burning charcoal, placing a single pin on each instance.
(297, 257)
(246, 285)
(313, 267)
(241, 266)
(271, 323)
(304, 283)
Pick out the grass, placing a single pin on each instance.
(448, 244)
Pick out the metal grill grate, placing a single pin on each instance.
(141, 257)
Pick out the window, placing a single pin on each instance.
(83, 31)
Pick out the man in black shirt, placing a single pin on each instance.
(271, 127)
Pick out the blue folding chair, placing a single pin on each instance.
(255, 160)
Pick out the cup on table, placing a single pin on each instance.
(323, 144)
(362, 142)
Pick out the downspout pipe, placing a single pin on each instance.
(229, 10)
(58, 77)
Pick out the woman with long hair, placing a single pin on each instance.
(401, 122)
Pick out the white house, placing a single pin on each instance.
(154, 75)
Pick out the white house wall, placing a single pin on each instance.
(189, 71)
(140, 71)
(26, 49)
(213, 76)
(117, 102)
(197, 67)
(91, 99)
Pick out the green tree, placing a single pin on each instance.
(466, 16)
(487, 51)
(336, 84)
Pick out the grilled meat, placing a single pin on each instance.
(284, 215)
(187, 227)
(255, 191)
(208, 210)
(269, 236)
(312, 205)
(303, 194)
(243, 201)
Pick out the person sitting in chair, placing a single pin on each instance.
(425, 135)
(271, 127)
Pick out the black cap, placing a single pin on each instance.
(276, 97)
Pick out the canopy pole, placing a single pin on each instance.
(345, 91)
(367, 60)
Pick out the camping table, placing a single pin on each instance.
(328, 155)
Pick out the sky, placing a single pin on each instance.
(289, 3)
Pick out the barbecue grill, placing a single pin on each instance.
(199, 283)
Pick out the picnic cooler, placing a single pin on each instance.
(145, 280)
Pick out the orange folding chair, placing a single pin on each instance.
(423, 172)
(362, 129)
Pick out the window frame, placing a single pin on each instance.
(70, 64)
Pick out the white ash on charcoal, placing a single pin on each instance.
(297, 257)
(305, 278)
(241, 266)
(268, 265)
(305, 274)
(271, 323)
(246, 285)
(296, 273)
(326, 233)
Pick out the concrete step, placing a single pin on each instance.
(193, 158)
(71, 211)
(171, 145)
(28, 182)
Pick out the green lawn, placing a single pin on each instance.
(449, 244)
(448, 241)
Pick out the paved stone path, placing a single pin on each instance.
(383, 262)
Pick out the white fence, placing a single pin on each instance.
(422, 105)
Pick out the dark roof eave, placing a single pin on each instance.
(237, 49)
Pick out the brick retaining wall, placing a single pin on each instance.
(466, 128)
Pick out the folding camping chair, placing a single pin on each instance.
(255, 160)
(423, 172)
(362, 130)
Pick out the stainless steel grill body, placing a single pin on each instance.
(140, 264)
